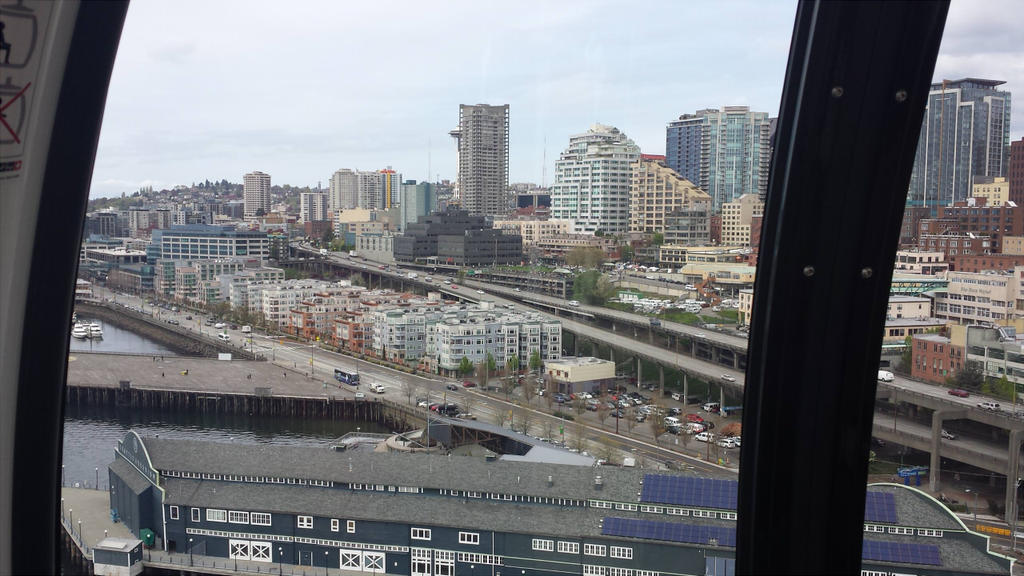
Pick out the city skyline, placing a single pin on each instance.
(180, 108)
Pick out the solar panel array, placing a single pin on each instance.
(901, 552)
(880, 507)
(669, 531)
(685, 491)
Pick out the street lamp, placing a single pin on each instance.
(97, 477)
(189, 551)
(280, 559)
(71, 517)
(1016, 512)
(325, 562)
(968, 490)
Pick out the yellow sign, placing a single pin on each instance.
(992, 530)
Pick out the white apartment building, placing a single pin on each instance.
(978, 297)
(196, 241)
(736, 219)
(918, 307)
(344, 190)
(533, 231)
(313, 207)
(256, 193)
(592, 181)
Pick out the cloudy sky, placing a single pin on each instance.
(213, 89)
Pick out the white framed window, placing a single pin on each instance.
(589, 570)
(874, 528)
(420, 533)
(259, 518)
(196, 515)
(351, 559)
(594, 549)
(213, 515)
(612, 571)
(350, 526)
(469, 538)
(304, 521)
(600, 504)
(929, 532)
(631, 507)
(543, 545)
(473, 494)
(261, 551)
(238, 549)
(900, 530)
(568, 547)
(420, 558)
(444, 563)
(335, 525)
(174, 512)
(703, 514)
(727, 515)
(373, 562)
(678, 511)
(236, 517)
(621, 552)
(646, 573)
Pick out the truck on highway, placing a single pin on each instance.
(352, 254)
(350, 378)
(323, 251)
(377, 388)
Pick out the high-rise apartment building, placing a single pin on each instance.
(313, 207)
(592, 180)
(725, 152)
(482, 160)
(965, 133)
(256, 193)
(1016, 172)
(655, 192)
(344, 190)
(391, 188)
(737, 218)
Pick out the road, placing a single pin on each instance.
(319, 365)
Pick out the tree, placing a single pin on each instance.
(970, 376)
(549, 391)
(465, 366)
(525, 418)
(483, 375)
(535, 361)
(607, 453)
(658, 427)
(492, 366)
(579, 440)
(592, 287)
(626, 253)
(579, 405)
(408, 388)
(508, 383)
(327, 237)
(658, 239)
(630, 418)
(603, 411)
(512, 364)
(468, 401)
(585, 256)
(908, 354)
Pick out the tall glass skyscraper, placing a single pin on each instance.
(965, 133)
(726, 152)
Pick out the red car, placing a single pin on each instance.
(694, 418)
(468, 384)
(959, 392)
(454, 287)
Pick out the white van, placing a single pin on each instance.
(246, 329)
(377, 388)
(671, 421)
(224, 337)
(885, 376)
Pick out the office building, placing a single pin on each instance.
(592, 181)
(690, 225)
(965, 134)
(313, 207)
(725, 152)
(978, 297)
(656, 191)
(1016, 172)
(256, 193)
(534, 230)
(994, 189)
(417, 200)
(198, 241)
(455, 237)
(737, 218)
(482, 161)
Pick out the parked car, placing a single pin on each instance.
(676, 411)
(468, 384)
(694, 418)
(728, 378)
(219, 325)
(726, 443)
(711, 407)
(704, 437)
(452, 387)
(959, 392)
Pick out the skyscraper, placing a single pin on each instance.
(390, 188)
(592, 179)
(965, 133)
(417, 200)
(1016, 172)
(726, 152)
(482, 138)
(256, 193)
(344, 190)
(313, 207)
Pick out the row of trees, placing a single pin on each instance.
(592, 287)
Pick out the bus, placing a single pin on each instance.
(349, 378)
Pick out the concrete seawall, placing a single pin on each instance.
(180, 340)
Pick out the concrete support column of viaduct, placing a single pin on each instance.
(1013, 473)
(661, 378)
(938, 417)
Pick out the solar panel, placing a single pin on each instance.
(880, 507)
(669, 531)
(686, 491)
(901, 552)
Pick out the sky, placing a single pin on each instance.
(212, 89)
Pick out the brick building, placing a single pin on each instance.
(977, 263)
(1016, 172)
(934, 358)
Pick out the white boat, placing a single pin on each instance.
(95, 331)
(80, 331)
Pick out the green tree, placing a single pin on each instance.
(1003, 389)
(512, 364)
(535, 361)
(593, 288)
(626, 253)
(658, 239)
(970, 376)
(328, 237)
(465, 366)
(483, 374)
(492, 366)
(908, 354)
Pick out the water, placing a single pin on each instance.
(91, 433)
(117, 340)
